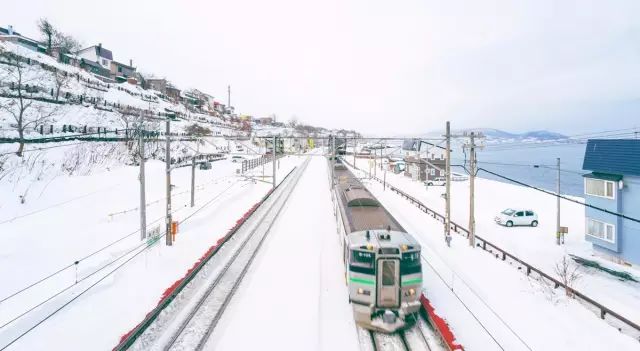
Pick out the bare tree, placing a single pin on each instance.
(128, 117)
(293, 122)
(569, 273)
(66, 42)
(48, 32)
(18, 101)
(61, 79)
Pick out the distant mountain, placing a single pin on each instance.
(496, 135)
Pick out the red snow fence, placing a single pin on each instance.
(440, 325)
(171, 292)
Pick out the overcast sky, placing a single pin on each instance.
(381, 67)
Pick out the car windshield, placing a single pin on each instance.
(508, 212)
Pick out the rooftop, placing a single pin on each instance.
(613, 156)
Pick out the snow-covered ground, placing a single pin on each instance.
(537, 246)
(294, 296)
(501, 307)
(71, 217)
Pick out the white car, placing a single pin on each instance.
(237, 158)
(439, 181)
(518, 216)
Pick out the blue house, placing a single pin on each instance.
(614, 185)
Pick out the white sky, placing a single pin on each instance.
(382, 67)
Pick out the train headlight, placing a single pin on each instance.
(412, 292)
(360, 291)
(404, 247)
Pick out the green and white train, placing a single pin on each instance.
(382, 261)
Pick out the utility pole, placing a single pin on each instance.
(472, 181)
(168, 237)
(229, 96)
(143, 201)
(333, 161)
(447, 217)
(355, 146)
(472, 177)
(375, 162)
(193, 180)
(274, 161)
(558, 206)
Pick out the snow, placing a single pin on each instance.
(537, 246)
(294, 295)
(474, 291)
(71, 218)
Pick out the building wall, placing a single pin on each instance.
(630, 206)
(608, 204)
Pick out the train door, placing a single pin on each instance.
(388, 283)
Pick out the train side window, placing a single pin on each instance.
(388, 273)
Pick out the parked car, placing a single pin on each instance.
(237, 158)
(439, 181)
(205, 165)
(511, 217)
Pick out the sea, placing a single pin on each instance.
(519, 163)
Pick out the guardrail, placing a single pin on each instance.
(617, 320)
(255, 162)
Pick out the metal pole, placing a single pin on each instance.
(384, 182)
(472, 178)
(193, 181)
(558, 206)
(375, 163)
(447, 221)
(355, 146)
(143, 201)
(168, 238)
(274, 162)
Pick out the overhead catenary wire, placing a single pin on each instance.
(92, 285)
(62, 269)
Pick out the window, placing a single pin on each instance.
(388, 273)
(508, 212)
(433, 171)
(601, 230)
(362, 259)
(599, 187)
(519, 214)
(529, 213)
(104, 62)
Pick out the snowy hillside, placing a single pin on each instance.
(63, 95)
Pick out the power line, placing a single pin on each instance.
(561, 196)
(94, 284)
(62, 269)
(45, 148)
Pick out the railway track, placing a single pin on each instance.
(199, 307)
(417, 338)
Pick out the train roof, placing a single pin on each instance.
(378, 238)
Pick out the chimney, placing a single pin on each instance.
(130, 63)
(10, 30)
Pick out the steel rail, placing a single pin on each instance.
(286, 192)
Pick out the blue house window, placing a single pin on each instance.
(601, 230)
(599, 187)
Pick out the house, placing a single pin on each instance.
(63, 55)
(95, 68)
(264, 120)
(165, 87)
(121, 72)
(424, 160)
(97, 54)
(11, 36)
(613, 185)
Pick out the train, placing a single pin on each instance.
(382, 261)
